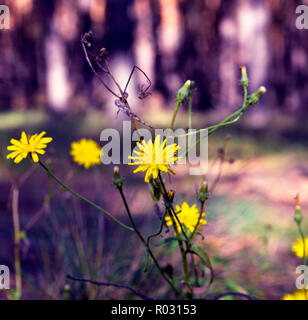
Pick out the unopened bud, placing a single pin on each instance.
(261, 91)
(255, 97)
(67, 287)
(169, 198)
(297, 215)
(171, 195)
(183, 92)
(244, 80)
(117, 179)
(203, 193)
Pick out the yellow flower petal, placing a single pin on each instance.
(33, 144)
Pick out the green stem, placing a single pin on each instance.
(234, 117)
(164, 192)
(183, 254)
(177, 105)
(172, 214)
(177, 292)
(300, 230)
(83, 198)
(189, 117)
(199, 218)
(301, 233)
(189, 112)
(17, 243)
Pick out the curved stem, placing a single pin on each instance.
(107, 284)
(177, 105)
(301, 233)
(164, 191)
(172, 214)
(177, 292)
(199, 218)
(234, 117)
(17, 242)
(160, 229)
(238, 294)
(83, 198)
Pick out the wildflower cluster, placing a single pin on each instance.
(156, 158)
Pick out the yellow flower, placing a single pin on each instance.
(188, 216)
(86, 152)
(34, 144)
(297, 295)
(153, 157)
(298, 247)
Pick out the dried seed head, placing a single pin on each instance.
(103, 53)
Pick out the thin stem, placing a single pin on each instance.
(177, 292)
(106, 70)
(199, 218)
(195, 269)
(189, 112)
(116, 285)
(16, 225)
(177, 105)
(183, 254)
(94, 71)
(238, 294)
(172, 214)
(234, 117)
(83, 198)
(160, 229)
(301, 233)
(164, 192)
(17, 242)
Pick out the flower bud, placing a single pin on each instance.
(117, 179)
(183, 92)
(255, 97)
(298, 215)
(171, 194)
(261, 91)
(169, 198)
(244, 80)
(203, 193)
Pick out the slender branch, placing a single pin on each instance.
(16, 225)
(159, 231)
(199, 218)
(236, 294)
(93, 69)
(108, 284)
(177, 105)
(177, 292)
(17, 242)
(107, 71)
(234, 117)
(301, 233)
(164, 192)
(83, 198)
(181, 246)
